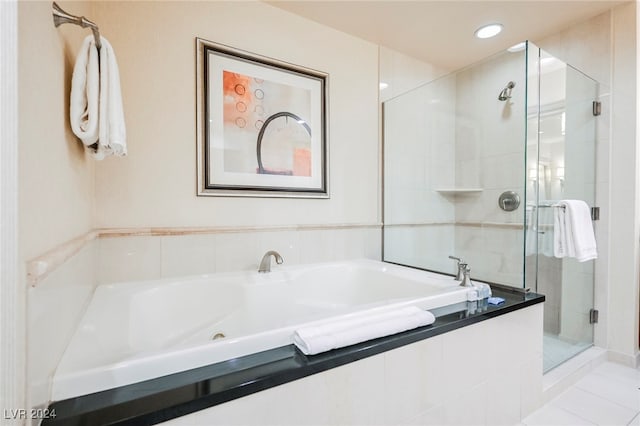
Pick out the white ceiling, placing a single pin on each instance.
(441, 32)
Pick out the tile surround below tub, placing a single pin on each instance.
(149, 253)
(40, 267)
(128, 258)
(51, 328)
(416, 381)
(287, 243)
(188, 254)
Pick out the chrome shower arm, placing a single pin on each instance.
(61, 17)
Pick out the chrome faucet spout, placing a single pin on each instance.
(265, 263)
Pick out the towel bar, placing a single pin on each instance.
(551, 205)
(595, 211)
(61, 17)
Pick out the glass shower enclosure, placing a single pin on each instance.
(475, 163)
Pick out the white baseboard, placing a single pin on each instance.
(632, 361)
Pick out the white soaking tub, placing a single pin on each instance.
(134, 331)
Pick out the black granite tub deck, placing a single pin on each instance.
(164, 398)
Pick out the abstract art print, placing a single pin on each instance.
(262, 125)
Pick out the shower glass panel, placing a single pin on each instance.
(519, 124)
(452, 147)
(565, 170)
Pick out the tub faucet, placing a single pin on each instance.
(466, 277)
(462, 265)
(265, 263)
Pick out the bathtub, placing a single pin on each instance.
(135, 331)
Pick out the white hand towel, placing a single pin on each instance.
(359, 328)
(85, 93)
(574, 236)
(96, 112)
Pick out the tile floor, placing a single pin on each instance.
(609, 395)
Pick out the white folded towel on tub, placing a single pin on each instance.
(96, 113)
(359, 328)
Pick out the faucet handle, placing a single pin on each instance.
(461, 265)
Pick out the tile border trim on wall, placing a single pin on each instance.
(41, 266)
(506, 225)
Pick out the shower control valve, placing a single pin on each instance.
(509, 201)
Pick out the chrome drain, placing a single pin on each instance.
(218, 336)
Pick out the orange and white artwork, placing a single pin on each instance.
(264, 125)
(285, 144)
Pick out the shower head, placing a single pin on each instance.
(506, 92)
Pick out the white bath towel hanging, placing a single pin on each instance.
(573, 231)
(96, 112)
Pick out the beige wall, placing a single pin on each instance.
(56, 179)
(56, 190)
(624, 195)
(156, 184)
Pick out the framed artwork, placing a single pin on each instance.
(262, 125)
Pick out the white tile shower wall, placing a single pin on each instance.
(419, 155)
(419, 160)
(461, 377)
(56, 305)
(550, 284)
(423, 246)
(129, 258)
(489, 154)
(494, 253)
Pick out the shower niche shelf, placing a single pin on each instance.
(456, 191)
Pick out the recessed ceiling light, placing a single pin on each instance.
(488, 31)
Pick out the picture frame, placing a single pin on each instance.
(262, 125)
